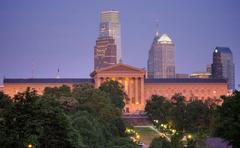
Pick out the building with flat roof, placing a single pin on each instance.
(110, 26)
(205, 75)
(182, 75)
(136, 86)
(223, 66)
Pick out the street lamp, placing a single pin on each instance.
(156, 121)
(137, 136)
(30, 146)
(189, 136)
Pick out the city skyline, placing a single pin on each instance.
(27, 49)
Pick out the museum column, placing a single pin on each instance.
(136, 90)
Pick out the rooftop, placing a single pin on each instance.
(85, 80)
(48, 80)
(184, 80)
(223, 50)
(165, 39)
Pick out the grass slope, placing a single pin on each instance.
(147, 134)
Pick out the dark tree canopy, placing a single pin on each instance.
(193, 116)
(31, 119)
(158, 108)
(81, 117)
(160, 142)
(115, 92)
(227, 119)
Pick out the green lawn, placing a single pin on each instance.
(147, 134)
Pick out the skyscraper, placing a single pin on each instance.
(223, 66)
(110, 26)
(161, 57)
(104, 52)
(107, 51)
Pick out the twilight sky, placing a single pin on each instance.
(46, 35)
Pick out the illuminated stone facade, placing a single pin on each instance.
(137, 87)
(130, 77)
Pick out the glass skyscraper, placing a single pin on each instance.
(110, 26)
(161, 57)
(223, 66)
(107, 51)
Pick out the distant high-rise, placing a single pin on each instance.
(161, 57)
(181, 75)
(104, 52)
(110, 26)
(107, 51)
(209, 68)
(223, 66)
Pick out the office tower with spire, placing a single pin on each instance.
(107, 51)
(161, 57)
(223, 66)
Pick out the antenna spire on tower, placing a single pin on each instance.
(58, 73)
(33, 68)
(157, 27)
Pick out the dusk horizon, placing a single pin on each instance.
(38, 38)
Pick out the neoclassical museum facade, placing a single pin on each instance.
(137, 86)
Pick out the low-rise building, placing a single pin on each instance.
(137, 87)
(204, 75)
(182, 75)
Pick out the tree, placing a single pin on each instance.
(41, 122)
(160, 142)
(4, 100)
(61, 117)
(92, 131)
(197, 116)
(114, 89)
(57, 92)
(121, 142)
(62, 95)
(99, 105)
(227, 119)
(158, 108)
(5, 103)
(178, 111)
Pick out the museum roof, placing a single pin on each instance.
(184, 80)
(49, 80)
(88, 80)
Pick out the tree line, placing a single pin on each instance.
(201, 118)
(81, 117)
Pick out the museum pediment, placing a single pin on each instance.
(119, 68)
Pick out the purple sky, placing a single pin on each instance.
(49, 34)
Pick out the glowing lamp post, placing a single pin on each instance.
(30, 146)
(137, 137)
(189, 137)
